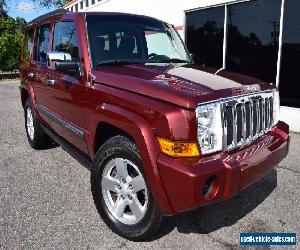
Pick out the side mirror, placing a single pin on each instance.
(62, 61)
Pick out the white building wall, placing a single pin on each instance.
(171, 11)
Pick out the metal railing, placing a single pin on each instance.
(12, 74)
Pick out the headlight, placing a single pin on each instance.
(209, 128)
(276, 106)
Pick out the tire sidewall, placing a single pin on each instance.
(125, 151)
(26, 107)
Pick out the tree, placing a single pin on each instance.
(49, 3)
(43, 3)
(11, 36)
(2, 8)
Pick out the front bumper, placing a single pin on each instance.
(184, 179)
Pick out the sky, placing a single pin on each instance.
(26, 9)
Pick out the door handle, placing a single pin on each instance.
(50, 82)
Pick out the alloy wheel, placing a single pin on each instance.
(124, 191)
(29, 123)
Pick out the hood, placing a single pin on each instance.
(185, 85)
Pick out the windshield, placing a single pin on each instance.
(130, 39)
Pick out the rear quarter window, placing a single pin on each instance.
(42, 40)
(28, 44)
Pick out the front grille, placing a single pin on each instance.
(245, 118)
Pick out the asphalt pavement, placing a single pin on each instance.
(45, 200)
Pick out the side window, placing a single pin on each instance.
(28, 44)
(65, 39)
(42, 43)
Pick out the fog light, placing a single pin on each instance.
(210, 188)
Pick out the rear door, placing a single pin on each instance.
(39, 71)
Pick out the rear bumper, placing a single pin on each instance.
(184, 179)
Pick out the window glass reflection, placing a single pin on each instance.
(253, 37)
(65, 39)
(289, 84)
(205, 32)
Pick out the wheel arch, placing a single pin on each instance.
(26, 92)
(138, 129)
(24, 96)
(105, 131)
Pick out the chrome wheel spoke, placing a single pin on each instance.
(136, 208)
(119, 207)
(29, 121)
(123, 194)
(109, 183)
(138, 183)
(121, 166)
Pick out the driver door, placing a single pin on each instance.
(67, 103)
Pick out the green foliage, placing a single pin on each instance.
(49, 3)
(11, 38)
(11, 34)
(3, 6)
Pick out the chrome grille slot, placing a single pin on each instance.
(245, 118)
(239, 120)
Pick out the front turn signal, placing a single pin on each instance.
(178, 149)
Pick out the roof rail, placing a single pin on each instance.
(52, 13)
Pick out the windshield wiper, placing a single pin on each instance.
(115, 63)
(174, 60)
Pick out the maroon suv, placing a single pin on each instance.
(160, 134)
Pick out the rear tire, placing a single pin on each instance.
(120, 191)
(36, 136)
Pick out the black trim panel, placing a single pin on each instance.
(80, 156)
(61, 122)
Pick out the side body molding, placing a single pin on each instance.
(141, 131)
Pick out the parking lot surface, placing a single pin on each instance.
(45, 200)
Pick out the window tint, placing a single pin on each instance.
(134, 39)
(86, 3)
(65, 39)
(81, 5)
(289, 84)
(253, 36)
(105, 39)
(76, 7)
(93, 1)
(205, 32)
(42, 43)
(120, 36)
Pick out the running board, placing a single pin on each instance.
(81, 157)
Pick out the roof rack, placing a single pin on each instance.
(52, 13)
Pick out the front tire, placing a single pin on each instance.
(36, 136)
(120, 191)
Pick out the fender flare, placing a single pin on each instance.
(30, 92)
(142, 133)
